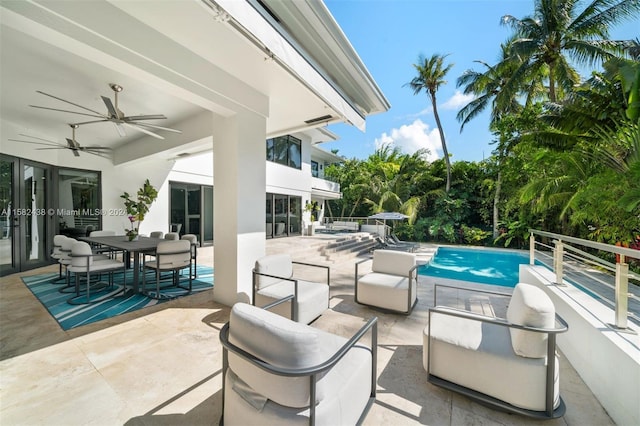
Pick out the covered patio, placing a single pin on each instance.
(162, 365)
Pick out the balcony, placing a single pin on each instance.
(325, 189)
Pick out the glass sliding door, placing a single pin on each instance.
(191, 210)
(283, 216)
(26, 218)
(36, 202)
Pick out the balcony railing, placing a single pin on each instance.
(607, 281)
(325, 185)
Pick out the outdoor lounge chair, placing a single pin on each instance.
(273, 367)
(273, 279)
(508, 364)
(392, 282)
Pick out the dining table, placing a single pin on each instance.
(135, 248)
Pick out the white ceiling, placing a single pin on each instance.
(173, 58)
(29, 65)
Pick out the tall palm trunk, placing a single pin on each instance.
(496, 201)
(552, 83)
(445, 151)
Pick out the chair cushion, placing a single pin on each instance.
(81, 254)
(532, 307)
(279, 265)
(279, 342)
(480, 357)
(393, 262)
(386, 291)
(341, 393)
(313, 299)
(166, 261)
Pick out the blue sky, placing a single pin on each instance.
(390, 34)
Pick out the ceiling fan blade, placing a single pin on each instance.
(69, 102)
(91, 122)
(120, 129)
(153, 126)
(113, 113)
(41, 139)
(72, 144)
(145, 117)
(99, 154)
(38, 143)
(95, 148)
(66, 110)
(143, 130)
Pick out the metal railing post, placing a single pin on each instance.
(622, 290)
(532, 249)
(558, 256)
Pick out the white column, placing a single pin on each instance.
(239, 164)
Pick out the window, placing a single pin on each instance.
(285, 150)
(79, 199)
(314, 168)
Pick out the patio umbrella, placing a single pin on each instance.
(388, 216)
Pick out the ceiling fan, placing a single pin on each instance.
(114, 115)
(72, 144)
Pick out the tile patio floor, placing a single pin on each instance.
(162, 365)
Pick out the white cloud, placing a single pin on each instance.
(412, 137)
(457, 101)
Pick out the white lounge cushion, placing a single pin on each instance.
(342, 393)
(386, 291)
(532, 307)
(393, 262)
(479, 356)
(279, 265)
(313, 299)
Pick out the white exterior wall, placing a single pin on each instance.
(287, 180)
(607, 360)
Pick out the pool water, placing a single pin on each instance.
(486, 266)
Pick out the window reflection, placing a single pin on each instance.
(78, 201)
(285, 150)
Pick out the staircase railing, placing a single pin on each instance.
(562, 249)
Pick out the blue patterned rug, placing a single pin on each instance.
(46, 288)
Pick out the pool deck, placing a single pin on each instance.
(162, 365)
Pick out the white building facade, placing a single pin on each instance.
(228, 74)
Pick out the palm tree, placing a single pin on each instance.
(558, 31)
(487, 89)
(431, 73)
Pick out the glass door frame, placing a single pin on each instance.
(186, 186)
(19, 219)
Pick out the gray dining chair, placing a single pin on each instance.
(170, 256)
(101, 249)
(156, 234)
(193, 239)
(84, 261)
(172, 236)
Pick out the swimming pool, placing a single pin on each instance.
(486, 266)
